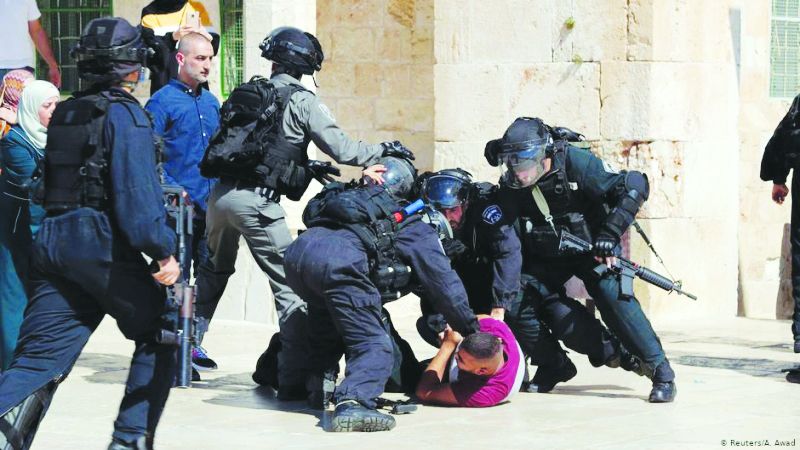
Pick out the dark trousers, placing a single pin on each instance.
(795, 240)
(566, 320)
(196, 250)
(329, 270)
(80, 273)
(623, 316)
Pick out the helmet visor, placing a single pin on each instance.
(444, 192)
(523, 168)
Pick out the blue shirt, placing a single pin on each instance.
(186, 120)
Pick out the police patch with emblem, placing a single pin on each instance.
(492, 214)
(609, 168)
(327, 112)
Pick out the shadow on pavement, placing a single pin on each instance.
(110, 368)
(753, 367)
(589, 390)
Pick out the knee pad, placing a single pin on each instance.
(18, 426)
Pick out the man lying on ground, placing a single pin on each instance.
(483, 369)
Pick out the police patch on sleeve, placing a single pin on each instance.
(327, 112)
(608, 168)
(492, 214)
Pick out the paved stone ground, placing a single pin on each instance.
(730, 388)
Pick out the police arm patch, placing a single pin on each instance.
(492, 214)
(327, 112)
(608, 168)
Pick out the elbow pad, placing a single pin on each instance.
(623, 214)
(636, 181)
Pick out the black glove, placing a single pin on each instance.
(604, 245)
(322, 170)
(453, 248)
(396, 149)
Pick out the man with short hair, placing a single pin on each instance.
(186, 115)
(20, 32)
(483, 369)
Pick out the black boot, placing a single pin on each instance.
(320, 388)
(664, 389)
(351, 415)
(797, 346)
(663, 392)
(142, 443)
(266, 373)
(630, 363)
(546, 378)
(292, 392)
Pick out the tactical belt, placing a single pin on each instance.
(263, 191)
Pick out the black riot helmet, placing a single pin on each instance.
(294, 49)
(399, 176)
(109, 49)
(521, 152)
(447, 188)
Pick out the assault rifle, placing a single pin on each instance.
(181, 295)
(626, 269)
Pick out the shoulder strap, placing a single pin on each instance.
(541, 203)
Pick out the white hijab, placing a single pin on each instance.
(34, 94)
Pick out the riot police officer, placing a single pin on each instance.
(487, 257)
(354, 256)
(780, 156)
(550, 186)
(104, 209)
(246, 200)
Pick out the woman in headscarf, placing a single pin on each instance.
(21, 152)
(10, 91)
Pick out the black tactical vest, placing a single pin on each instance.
(367, 212)
(251, 145)
(76, 163)
(567, 206)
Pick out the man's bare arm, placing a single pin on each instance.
(42, 43)
(431, 389)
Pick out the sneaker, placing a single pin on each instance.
(201, 361)
(351, 415)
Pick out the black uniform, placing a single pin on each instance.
(341, 272)
(781, 155)
(87, 258)
(577, 189)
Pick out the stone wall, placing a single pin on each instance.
(377, 77)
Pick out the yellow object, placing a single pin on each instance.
(162, 24)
